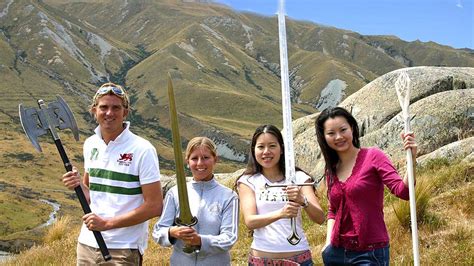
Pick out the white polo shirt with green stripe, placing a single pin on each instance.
(116, 173)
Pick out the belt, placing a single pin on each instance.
(290, 261)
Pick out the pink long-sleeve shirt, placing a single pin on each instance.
(356, 205)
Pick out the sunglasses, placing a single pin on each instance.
(105, 90)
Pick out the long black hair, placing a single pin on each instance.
(330, 156)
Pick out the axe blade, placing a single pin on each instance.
(62, 116)
(35, 121)
(32, 126)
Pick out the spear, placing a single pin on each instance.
(185, 217)
(402, 87)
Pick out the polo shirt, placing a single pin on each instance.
(117, 171)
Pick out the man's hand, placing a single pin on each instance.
(71, 179)
(95, 222)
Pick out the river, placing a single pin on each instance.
(4, 256)
(52, 215)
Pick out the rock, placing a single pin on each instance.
(437, 120)
(441, 113)
(462, 149)
(376, 103)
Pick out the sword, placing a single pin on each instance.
(185, 217)
(290, 172)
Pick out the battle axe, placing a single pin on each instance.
(185, 217)
(37, 122)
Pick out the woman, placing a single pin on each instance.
(267, 211)
(214, 205)
(356, 232)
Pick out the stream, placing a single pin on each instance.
(4, 255)
(52, 215)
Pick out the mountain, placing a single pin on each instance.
(225, 65)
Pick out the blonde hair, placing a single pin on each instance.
(197, 142)
(97, 96)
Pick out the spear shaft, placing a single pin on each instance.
(402, 87)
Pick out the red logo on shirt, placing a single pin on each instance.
(125, 159)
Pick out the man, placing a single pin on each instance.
(121, 183)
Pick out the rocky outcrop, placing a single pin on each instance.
(441, 113)
(376, 103)
(437, 120)
(457, 150)
(16, 245)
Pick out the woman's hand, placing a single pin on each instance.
(187, 234)
(290, 210)
(409, 143)
(294, 194)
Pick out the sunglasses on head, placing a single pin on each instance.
(116, 90)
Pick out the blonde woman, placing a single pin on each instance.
(215, 206)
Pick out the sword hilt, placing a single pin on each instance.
(188, 248)
(294, 238)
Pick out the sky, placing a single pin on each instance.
(447, 22)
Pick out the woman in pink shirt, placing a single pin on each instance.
(356, 232)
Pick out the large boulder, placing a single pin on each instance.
(436, 120)
(462, 149)
(376, 103)
(441, 113)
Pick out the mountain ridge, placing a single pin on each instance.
(216, 57)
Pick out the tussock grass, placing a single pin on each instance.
(58, 248)
(423, 193)
(59, 230)
(445, 192)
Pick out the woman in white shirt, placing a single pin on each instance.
(267, 211)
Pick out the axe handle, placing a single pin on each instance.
(82, 199)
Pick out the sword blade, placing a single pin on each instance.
(290, 174)
(185, 216)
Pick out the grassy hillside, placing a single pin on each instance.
(445, 196)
